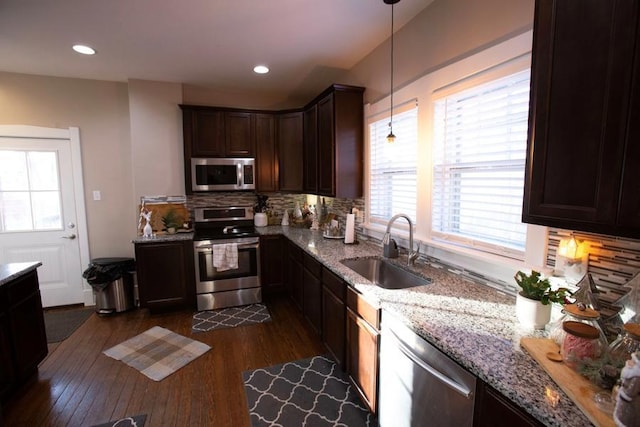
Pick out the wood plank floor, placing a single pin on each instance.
(79, 386)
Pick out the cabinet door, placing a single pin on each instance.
(363, 343)
(294, 274)
(290, 159)
(311, 150)
(6, 363)
(333, 325)
(494, 410)
(29, 339)
(207, 138)
(239, 133)
(165, 274)
(312, 298)
(271, 263)
(266, 158)
(581, 73)
(326, 147)
(629, 213)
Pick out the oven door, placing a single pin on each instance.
(247, 275)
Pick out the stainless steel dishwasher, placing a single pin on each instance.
(419, 385)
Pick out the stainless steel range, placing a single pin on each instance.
(222, 235)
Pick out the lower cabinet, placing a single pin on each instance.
(363, 346)
(312, 294)
(494, 410)
(23, 340)
(334, 316)
(166, 279)
(294, 273)
(271, 263)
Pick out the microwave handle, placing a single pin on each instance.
(239, 174)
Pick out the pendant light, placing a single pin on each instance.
(391, 138)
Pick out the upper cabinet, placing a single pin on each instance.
(266, 156)
(584, 129)
(336, 149)
(290, 151)
(215, 132)
(310, 125)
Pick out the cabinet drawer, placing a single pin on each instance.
(363, 308)
(334, 283)
(22, 288)
(312, 265)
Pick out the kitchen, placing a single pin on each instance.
(136, 129)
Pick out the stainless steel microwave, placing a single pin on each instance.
(214, 174)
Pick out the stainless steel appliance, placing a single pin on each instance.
(420, 385)
(217, 174)
(238, 286)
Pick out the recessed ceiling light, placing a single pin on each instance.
(261, 69)
(83, 49)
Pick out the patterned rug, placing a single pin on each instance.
(231, 317)
(308, 392)
(136, 421)
(158, 352)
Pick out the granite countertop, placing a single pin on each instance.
(159, 238)
(472, 323)
(9, 272)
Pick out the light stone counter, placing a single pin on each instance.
(9, 272)
(474, 324)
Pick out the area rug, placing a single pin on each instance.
(158, 352)
(135, 421)
(308, 392)
(231, 317)
(61, 323)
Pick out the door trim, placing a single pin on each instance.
(73, 135)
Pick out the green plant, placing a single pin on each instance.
(536, 288)
(171, 219)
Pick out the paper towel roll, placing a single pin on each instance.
(350, 229)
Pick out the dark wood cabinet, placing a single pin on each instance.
(363, 347)
(340, 136)
(290, 151)
(310, 151)
(312, 294)
(239, 130)
(334, 315)
(204, 132)
(23, 340)
(271, 263)
(166, 279)
(266, 155)
(581, 169)
(294, 273)
(492, 409)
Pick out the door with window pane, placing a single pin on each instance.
(38, 214)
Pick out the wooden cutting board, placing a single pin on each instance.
(577, 387)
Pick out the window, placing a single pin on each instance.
(29, 191)
(393, 167)
(480, 139)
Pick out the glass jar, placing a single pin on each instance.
(582, 344)
(626, 344)
(576, 313)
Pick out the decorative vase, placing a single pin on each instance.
(532, 313)
(260, 219)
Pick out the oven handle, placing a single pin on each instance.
(241, 246)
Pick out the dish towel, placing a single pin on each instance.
(225, 256)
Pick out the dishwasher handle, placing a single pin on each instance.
(449, 382)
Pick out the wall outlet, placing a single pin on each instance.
(97, 195)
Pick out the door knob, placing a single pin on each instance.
(70, 237)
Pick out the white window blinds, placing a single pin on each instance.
(479, 158)
(393, 174)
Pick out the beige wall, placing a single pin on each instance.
(101, 111)
(447, 30)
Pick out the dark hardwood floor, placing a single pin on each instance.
(77, 385)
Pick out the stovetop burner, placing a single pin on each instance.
(224, 223)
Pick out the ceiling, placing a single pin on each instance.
(208, 43)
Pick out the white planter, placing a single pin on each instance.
(532, 313)
(260, 219)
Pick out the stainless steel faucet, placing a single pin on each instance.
(390, 247)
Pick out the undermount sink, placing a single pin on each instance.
(385, 274)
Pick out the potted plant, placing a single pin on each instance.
(260, 209)
(533, 302)
(171, 221)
